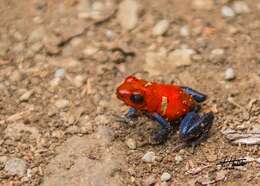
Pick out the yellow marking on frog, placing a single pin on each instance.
(148, 84)
(164, 105)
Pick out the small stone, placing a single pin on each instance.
(59, 73)
(150, 180)
(149, 157)
(161, 27)
(217, 55)
(202, 4)
(240, 7)
(57, 134)
(90, 51)
(181, 57)
(178, 159)
(227, 11)
(36, 35)
(16, 166)
(26, 96)
(62, 103)
(165, 177)
(55, 82)
(79, 80)
(184, 31)
(257, 160)
(128, 13)
(230, 74)
(73, 129)
(110, 34)
(131, 143)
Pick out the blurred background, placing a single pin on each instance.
(61, 61)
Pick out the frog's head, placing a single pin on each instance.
(133, 92)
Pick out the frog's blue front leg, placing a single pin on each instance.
(199, 97)
(132, 113)
(162, 134)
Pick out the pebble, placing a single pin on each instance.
(240, 7)
(184, 31)
(230, 74)
(150, 180)
(128, 14)
(36, 35)
(16, 166)
(257, 160)
(161, 27)
(26, 96)
(131, 143)
(149, 157)
(226, 11)
(217, 55)
(59, 73)
(202, 4)
(73, 129)
(62, 103)
(181, 57)
(178, 159)
(165, 177)
(79, 80)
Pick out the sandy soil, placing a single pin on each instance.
(61, 61)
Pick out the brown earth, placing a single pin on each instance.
(59, 72)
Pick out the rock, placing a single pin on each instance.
(165, 177)
(128, 13)
(178, 159)
(226, 11)
(202, 4)
(90, 51)
(26, 96)
(16, 166)
(161, 27)
(16, 130)
(149, 157)
(36, 35)
(62, 103)
(240, 7)
(184, 31)
(249, 141)
(150, 180)
(79, 80)
(73, 129)
(230, 74)
(181, 57)
(257, 160)
(217, 55)
(55, 82)
(131, 143)
(59, 73)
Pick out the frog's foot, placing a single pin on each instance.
(160, 136)
(198, 96)
(129, 117)
(195, 128)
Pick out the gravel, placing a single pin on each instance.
(149, 157)
(230, 74)
(131, 143)
(16, 166)
(178, 159)
(59, 73)
(128, 14)
(240, 7)
(161, 27)
(62, 103)
(226, 11)
(165, 177)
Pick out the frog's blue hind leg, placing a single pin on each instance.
(162, 134)
(199, 97)
(195, 128)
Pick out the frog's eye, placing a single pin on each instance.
(137, 98)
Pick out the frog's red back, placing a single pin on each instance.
(168, 100)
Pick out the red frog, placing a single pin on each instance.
(167, 103)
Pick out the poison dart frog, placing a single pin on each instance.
(166, 104)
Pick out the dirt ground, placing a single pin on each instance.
(60, 64)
